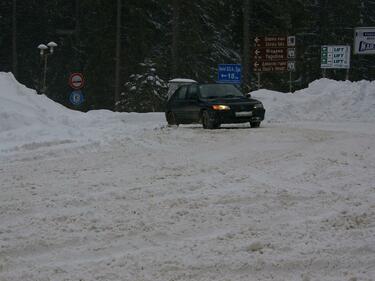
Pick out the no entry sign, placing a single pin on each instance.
(76, 81)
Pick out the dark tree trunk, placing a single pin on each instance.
(246, 45)
(77, 33)
(118, 55)
(14, 39)
(175, 38)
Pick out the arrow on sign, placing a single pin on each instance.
(256, 64)
(257, 52)
(256, 40)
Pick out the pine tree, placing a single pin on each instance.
(144, 92)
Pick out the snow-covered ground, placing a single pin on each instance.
(118, 196)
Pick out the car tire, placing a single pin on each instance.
(171, 119)
(217, 125)
(254, 124)
(207, 121)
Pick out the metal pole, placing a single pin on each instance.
(40, 83)
(290, 81)
(258, 74)
(347, 74)
(45, 73)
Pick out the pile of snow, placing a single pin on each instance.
(323, 100)
(31, 120)
(21, 108)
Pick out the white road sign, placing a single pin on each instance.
(336, 56)
(364, 41)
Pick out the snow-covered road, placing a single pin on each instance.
(287, 201)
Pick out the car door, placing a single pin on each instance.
(177, 103)
(191, 106)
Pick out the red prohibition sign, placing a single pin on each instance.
(76, 81)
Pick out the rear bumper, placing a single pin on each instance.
(226, 117)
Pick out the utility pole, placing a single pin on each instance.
(118, 55)
(246, 45)
(14, 39)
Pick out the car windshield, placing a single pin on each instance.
(212, 91)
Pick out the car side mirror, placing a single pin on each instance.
(248, 95)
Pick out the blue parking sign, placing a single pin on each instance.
(229, 73)
(76, 97)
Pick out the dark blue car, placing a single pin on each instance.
(213, 105)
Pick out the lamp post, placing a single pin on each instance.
(44, 55)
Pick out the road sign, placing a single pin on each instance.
(273, 54)
(274, 41)
(335, 56)
(273, 66)
(229, 73)
(291, 66)
(76, 97)
(364, 41)
(76, 81)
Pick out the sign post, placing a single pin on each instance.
(259, 86)
(229, 73)
(76, 82)
(274, 54)
(76, 97)
(335, 57)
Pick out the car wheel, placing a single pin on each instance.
(171, 119)
(207, 122)
(254, 124)
(217, 125)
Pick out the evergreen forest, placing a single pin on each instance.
(128, 50)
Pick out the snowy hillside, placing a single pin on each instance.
(103, 196)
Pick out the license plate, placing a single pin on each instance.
(243, 113)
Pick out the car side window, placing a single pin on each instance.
(192, 93)
(180, 94)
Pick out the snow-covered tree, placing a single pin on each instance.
(144, 92)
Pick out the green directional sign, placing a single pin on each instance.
(335, 56)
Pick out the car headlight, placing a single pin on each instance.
(220, 107)
(258, 105)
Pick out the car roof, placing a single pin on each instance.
(182, 80)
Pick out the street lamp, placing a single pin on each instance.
(43, 54)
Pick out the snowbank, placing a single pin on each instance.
(323, 100)
(32, 120)
(21, 107)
